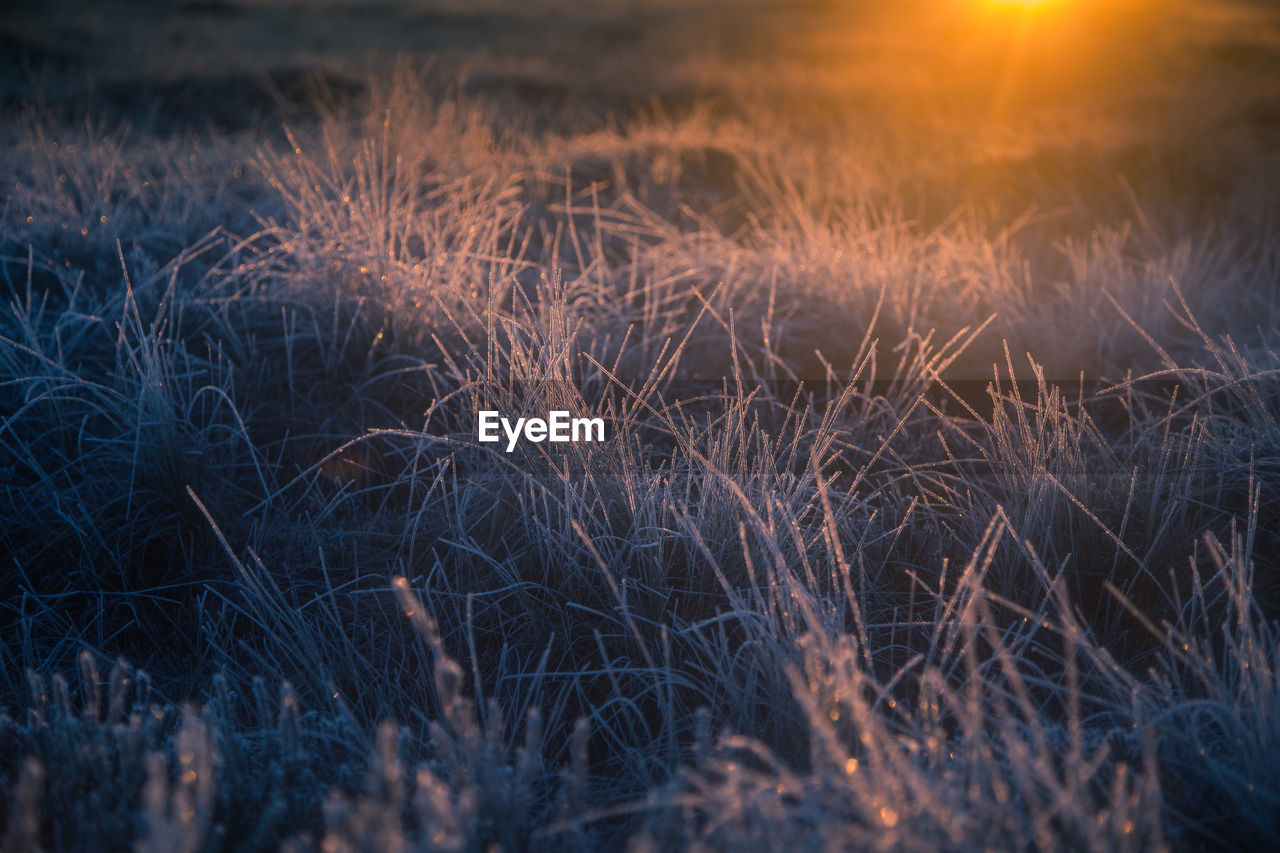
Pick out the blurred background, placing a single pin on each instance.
(978, 91)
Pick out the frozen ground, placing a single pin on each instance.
(937, 345)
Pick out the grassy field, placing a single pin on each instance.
(940, 501)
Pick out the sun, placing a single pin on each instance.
(1026, 5)
(1038, 14)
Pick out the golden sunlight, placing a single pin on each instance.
(1022, 4)
(1034, 11)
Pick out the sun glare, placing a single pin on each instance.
(1021, 4)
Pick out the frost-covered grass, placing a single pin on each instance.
(908, 534)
